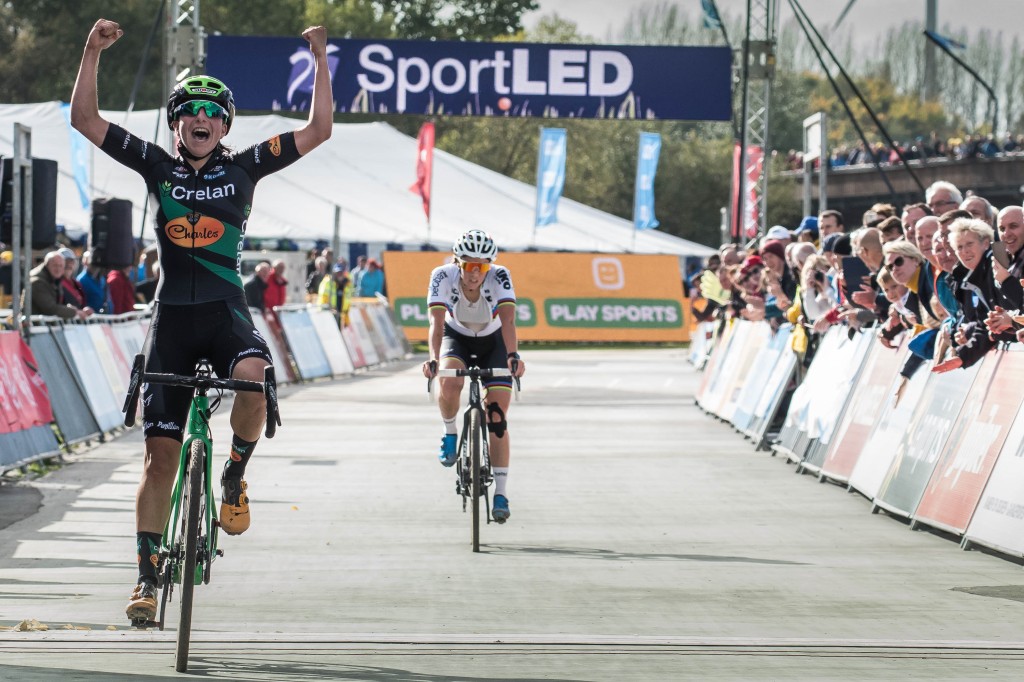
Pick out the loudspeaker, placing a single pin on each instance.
(111, 240)
(44, 202)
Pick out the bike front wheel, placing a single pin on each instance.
(192, 505)
(476, 484)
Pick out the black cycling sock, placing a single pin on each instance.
(241, 451)
(148, 547)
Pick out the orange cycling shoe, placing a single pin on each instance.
(142, 605)
(234, 506)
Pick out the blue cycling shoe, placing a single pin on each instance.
(499, 509)
(447, 456)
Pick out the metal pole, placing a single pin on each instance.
(931, 81)
(336, 239)
(21, 218)
(808, 171)
(823, 167)
(739, 220)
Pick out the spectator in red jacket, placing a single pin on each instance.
(122, 291)
(277, 288)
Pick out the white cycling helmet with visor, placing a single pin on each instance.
(475, 244)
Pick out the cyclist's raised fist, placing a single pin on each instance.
(104, 34)
(317, 38)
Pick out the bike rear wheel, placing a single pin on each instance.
(192, 504)
(476, 484)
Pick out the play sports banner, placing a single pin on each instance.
(562, 296)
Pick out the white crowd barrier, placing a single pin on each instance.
(944, 451)
(80, 370)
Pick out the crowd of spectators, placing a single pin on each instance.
(70, 286)
(921, 148)
(945, 273)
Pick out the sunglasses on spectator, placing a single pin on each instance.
(212, 109)
(897, 262)
(474, 267)
(941, 202)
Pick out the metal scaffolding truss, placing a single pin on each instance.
(184, 41)
(759, 70)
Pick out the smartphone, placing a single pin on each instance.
(1000, 254)
(854, 272)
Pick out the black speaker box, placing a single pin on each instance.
(111, 237)
(44, 202)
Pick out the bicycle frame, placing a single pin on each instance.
(197, 426)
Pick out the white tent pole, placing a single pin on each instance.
(336, 239)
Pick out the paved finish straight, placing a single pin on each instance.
(647, 541)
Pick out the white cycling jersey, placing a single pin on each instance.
(479, 318)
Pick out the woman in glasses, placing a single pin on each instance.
(202, 193)
(472, 309)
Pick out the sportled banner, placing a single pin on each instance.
(480, 79)
(550, 175)
(561, 296)
(646, 168)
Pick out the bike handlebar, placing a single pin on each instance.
(473, 373)
(268, 387)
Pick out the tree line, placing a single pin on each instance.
(42, 42)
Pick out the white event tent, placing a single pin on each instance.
(366, 169)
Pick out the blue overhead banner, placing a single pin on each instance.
(646, 168)
(481, 79)
(550, 174)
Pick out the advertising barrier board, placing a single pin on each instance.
(562, 296)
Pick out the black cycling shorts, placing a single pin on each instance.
(222, 332)
(481, 351)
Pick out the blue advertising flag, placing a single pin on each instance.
(946, 42)
(550, 174)
(79, 157)
(711, 18)
(646, 168)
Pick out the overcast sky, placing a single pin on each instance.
(869, 18)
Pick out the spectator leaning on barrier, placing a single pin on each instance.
(256, 286)
(315, 278)
(47, 292)
(779, 283)
(371, 282)
(980, 209)
(277, 288)
(912, 213)
(808, 230)
(942, 196)
(74, 294)
(93, 280)
(357, 272)
(829, 222)
(891, 229)
(975, 291)
(1011, 233)
(122, 291)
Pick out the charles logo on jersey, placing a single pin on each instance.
(194, 230)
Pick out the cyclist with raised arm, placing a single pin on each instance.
(202, 195)
(472, 308)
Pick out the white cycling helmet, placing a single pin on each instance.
(475, 244)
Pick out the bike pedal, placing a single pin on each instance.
(220, 552)
(144, 624)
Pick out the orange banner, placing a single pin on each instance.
(562, 296)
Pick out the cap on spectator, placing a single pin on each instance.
(67, 254)
(837, 243)
(808, 224)
(778, 232)
(774, 247)
(338, 267)
(6, 257)
(749, 264)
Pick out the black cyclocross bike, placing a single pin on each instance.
(473, 466)
(189, 543)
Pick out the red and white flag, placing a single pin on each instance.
(424, 165)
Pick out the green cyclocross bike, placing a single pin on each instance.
(189, 543)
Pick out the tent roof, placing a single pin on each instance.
(366, 169)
